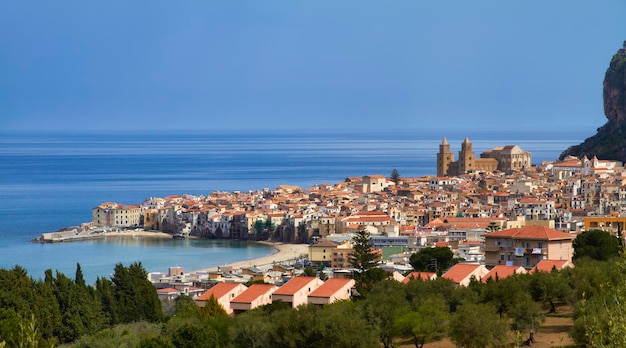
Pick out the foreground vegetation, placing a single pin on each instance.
(125, 311)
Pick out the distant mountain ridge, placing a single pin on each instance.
(610, 139)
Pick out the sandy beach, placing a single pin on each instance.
(284, 251)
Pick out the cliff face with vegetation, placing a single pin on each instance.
(610, 140)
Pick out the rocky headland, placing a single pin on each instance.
(610, 139)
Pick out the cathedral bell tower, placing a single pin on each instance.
(467, 158)
(444, 158)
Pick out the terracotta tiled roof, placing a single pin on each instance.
(418, 275)
(568, 164)
(501, 272)
(531, 232)
(167, 291)
(325, 243)
(547, 265)
(294, 285)
(460, 271)
(218, 291)
(330, 287)
(253, 292)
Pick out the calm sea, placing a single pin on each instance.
(49, 181)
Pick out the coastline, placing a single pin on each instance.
(149, 234)
(284, 252)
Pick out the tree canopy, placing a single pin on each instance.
(596, 244)
(432, 259)
(63, 310)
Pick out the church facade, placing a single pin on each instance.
(507, 159)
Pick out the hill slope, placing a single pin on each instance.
(610, 140)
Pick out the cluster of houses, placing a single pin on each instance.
(508, 219)
(235, 297)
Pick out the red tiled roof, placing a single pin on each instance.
(547, 265)
(253, 292)
(568, 164)
(371, 213)
(294, 285)
(460, 271)
(330, 287)
(531, 232)
(167, 290)
(418, 275)
(325, 243)
(501, 272)
(218, 291)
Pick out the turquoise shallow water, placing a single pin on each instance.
(97, 257)
(50, 181)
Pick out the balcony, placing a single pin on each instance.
(494, 248)
(499, 248)
(536, 251)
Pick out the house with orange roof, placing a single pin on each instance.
(379, 220)
(322, 252)
(527, 246)
(334, 289)
(297, 290)
(111, 214)
(419, 275)
(569, 165)
(168, 293)
(462, 273)
(256, 295)
(502, 271)
(373, 183)
(223, 293)
(549, 265)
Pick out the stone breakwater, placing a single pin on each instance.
(68, 235)
(77, 234)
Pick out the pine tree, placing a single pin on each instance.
(362, 258)
(395, 176)
(212, 308)
(79, 279)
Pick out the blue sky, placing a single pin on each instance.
(362, 65)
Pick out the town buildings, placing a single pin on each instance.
(496, 210)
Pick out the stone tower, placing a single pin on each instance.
(444, 158)
(466, 157)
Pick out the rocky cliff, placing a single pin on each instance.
(610, 140)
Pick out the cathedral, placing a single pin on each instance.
(507, 159)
